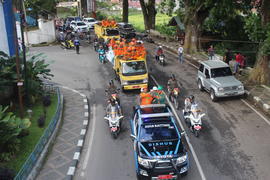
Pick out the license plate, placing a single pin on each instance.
(135, 86)
(113, 129)
(169, 176)
(197, 127)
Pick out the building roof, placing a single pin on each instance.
(175, 21)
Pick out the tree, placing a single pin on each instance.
(41, 7)
(167, 7)
(258, 27)
(149, 13)
(196, 12)
(125, 11)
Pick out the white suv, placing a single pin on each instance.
(78, 26)
(216, 77)
(89, 22)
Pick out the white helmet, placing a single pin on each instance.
(155, 88)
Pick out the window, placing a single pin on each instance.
(221, 72)
(136, 123)
(207, 73)
(201, 68)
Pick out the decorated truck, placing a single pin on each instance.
(107, 30)
(129, 64)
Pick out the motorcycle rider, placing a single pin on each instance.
(112, 89)
(113, 103)
(101, 50)
(159, 52)
(172, 84)
(189, 102)
(77, 44)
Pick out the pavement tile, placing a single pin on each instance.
(52, 175)
(62, 147)
(59, 161)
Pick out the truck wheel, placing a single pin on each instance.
(200, 85)
(213, 96)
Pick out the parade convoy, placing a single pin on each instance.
(158, 149)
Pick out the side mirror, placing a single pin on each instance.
(133, 137)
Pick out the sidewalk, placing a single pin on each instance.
(259, 95)
(62, 159)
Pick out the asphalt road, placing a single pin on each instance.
(234, 142)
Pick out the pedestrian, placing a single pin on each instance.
(228, 56)
(180, 54)
(211, 52)
(238, 61)
(77, 45)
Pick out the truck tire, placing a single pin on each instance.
(200, 86)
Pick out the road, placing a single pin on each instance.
(233, 144)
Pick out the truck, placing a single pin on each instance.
(106, 33)
(132, 73)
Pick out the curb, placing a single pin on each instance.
(194, 61)
(76, 157)
(39, 163)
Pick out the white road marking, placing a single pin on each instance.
(186, 136)
(80, 143)
(86, 114)
(266, 120)
(83, 132)
(85, 122)
(71, 171)
(85, 106)
(85, 100)
(90, 139)
(76, 156)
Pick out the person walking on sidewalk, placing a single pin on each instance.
(228, 56)
(238, 61)
(211, 52)
(180, 54)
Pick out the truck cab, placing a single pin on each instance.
(106, 32)
(133, 74)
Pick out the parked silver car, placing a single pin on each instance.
(216, 77)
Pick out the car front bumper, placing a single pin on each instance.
(229, 93)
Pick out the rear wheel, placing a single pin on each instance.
(200, 85)
(196, 133)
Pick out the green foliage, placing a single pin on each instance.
(166, 7)
(7, 69)
(41, 7)
(37, 70)
(254, 28)
(266, 44)
(10, 127)
(165, 29)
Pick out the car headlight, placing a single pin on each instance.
(241, 87)
(145, 80)
(220, 89)
(124, 82)
(181, 159)
(144, 162)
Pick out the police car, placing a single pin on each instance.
(158, 149)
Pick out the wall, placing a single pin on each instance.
(3, 34)
(45, 33)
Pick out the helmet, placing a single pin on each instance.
(160, 87)
(111, 82)
(191, 97)
(160, 47)
(172, 76)
(155, 88)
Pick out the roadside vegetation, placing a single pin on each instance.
(21, 130)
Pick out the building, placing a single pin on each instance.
(7, 39)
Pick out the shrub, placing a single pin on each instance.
(41, 121)
(166, 30)
(7, 174)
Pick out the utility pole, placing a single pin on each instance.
(23, 21)
(19, 80)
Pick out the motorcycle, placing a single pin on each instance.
(174, 97)
(68, 44)
(194, 119)
(114, 121)
(161, 59)
(96, 45)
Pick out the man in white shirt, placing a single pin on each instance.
(180, 54)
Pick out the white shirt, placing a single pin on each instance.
(180, 50)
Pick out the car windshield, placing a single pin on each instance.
(91, 20)
(133, 68)
(157, 132)
(128, 26)
(80, 24)
(112, 32)
(221, 72)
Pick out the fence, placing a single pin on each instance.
(32, 159)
